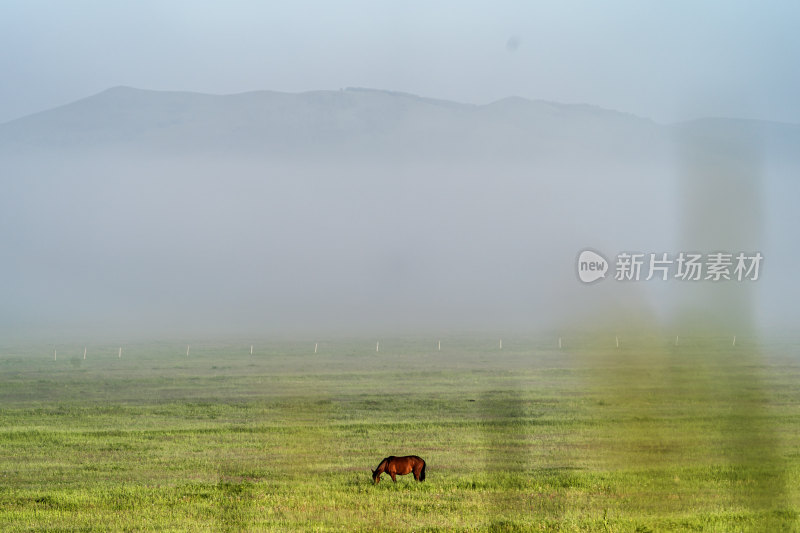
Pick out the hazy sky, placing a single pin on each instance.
(663, 60)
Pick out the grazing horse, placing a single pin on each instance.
(400, 466)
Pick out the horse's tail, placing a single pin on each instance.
(422, 474)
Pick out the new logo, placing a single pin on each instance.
(591, 266)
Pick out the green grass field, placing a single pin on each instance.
(647, 437)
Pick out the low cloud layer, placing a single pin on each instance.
(161, 214)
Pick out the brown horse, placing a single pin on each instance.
(400, 466)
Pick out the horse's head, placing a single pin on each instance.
(376, 477)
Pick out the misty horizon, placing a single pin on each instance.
(353, 211)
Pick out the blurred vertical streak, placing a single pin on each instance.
(721, 192)
(506, 456)
(699, 407)
(526, 466)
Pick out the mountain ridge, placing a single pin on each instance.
(353, 121)
(514, 99)
(129, 90)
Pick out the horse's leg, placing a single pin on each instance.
(393, 477)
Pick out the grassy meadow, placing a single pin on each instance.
(649, 436)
